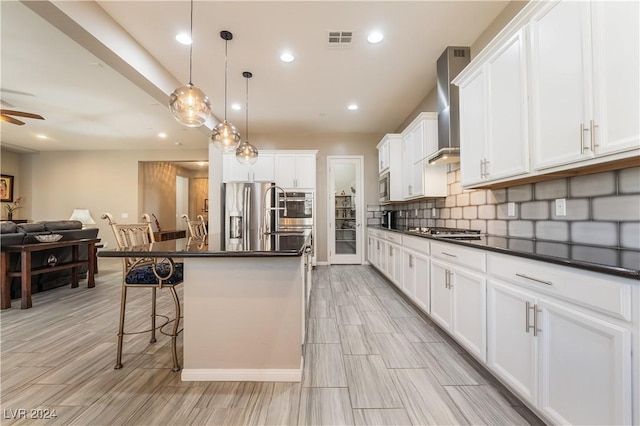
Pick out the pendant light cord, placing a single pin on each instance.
(247, 123)
(226, 43)
(191, 46)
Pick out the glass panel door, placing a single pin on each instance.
(345, 200)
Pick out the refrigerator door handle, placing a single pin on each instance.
(247, 214)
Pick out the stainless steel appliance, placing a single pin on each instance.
(385, 187)
(295, 211)
(451, 62)
(389, 219)
(247, 207)
(454, 233)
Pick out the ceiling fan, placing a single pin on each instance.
(5, 115)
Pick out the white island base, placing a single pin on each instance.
(243, 318)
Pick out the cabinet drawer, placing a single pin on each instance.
(469, 258)
(393, 237)
(376, 233)
(418, 244)
(600, 292)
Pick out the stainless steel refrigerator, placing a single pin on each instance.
(247, 205)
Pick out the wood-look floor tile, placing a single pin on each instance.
(322, 330)
(356, 340)
(369, 303)
(17, 377)
(320, 277)
(325, 406)
(453, 368)
(323, 367)
(258, 406)
(322, 293)
(340, 286)
(386, 292)
(378, 322)
(170, 403)
(425, 400)
(484, 405)
(397, 308)
(226, 395)
(348, 315)
(64, 415)
(118, 406)
(370, 385)
(416, 330)
(284, 405)
(321, 308)
(345, 298)
(397, 352)
(25, 396)
(378, 417)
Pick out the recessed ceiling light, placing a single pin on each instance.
(236, 107)
(42, 137)
(162, 135)
(375, 37)
(184, 38)
(352, 107)
(287, 57)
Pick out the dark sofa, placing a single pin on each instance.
(11, 234)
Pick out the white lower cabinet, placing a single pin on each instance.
(575, 367)
(415, 274)
(458, 304)
(394, 263)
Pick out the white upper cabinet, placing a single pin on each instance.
(585, 86)
(262, 171)
(383, 155)
(420, 179)
(493, 116)
(295, 171)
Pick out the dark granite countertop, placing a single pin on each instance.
(608, 260)
(274, 245)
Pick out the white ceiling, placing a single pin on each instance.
(115, 97)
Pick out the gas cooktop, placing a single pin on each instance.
(466, 234)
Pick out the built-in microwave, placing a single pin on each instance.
(384, 187)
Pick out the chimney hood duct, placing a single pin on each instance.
(451, 62)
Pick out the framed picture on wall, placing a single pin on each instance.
(206, 205)
(6, 188)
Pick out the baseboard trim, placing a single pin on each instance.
(241, 375)
(322, 263)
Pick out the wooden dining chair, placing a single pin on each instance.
(146, 272)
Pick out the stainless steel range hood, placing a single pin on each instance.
(451, 62)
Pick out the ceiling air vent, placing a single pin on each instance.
(339, 38)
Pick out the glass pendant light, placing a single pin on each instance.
(188, 104)
(246, 153)
(225, 136)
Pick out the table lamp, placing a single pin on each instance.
(84, 216)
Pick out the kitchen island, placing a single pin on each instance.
(244, 311)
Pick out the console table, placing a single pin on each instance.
(26, 269)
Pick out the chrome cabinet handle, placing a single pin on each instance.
(448, 254)
(593, 135)
(535, 320)
(582, 130)
(534, 279)
(528, 307)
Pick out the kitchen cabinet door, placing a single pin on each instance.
(473, 128)
(561, 83)
(616, 39)
(394, 264)
(305, 171)
(285, 170)
(233, 171)
(585, 370)
(383, 155)
(371, 249)
(264, 169)
(508, 136)
(469, 310)
(440, 294)
(415, 277)
(511, 346)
